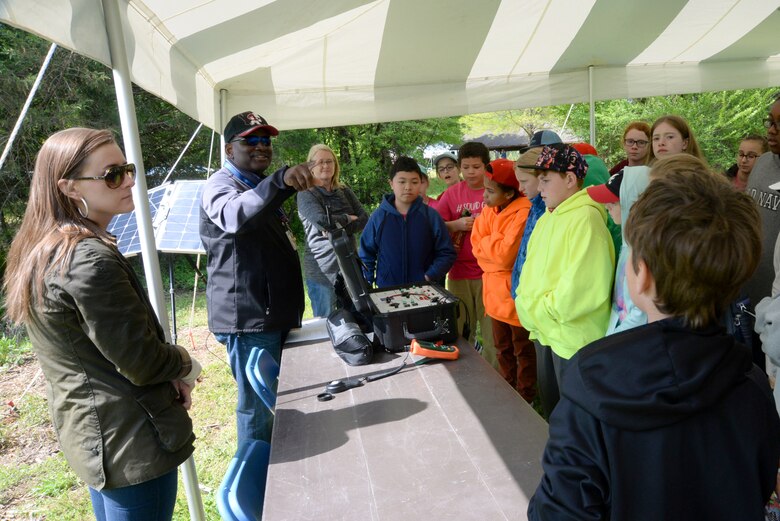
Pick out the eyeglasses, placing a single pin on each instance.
(750, 155)
(113, 176)
(769, 123)
(443, 169)
(254, 140)
(325, 162)
(641, 143)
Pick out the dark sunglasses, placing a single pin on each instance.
(254, 140)
(113, 176)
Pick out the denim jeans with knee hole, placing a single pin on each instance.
(253, 419)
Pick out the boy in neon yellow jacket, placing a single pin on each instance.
(564, 294)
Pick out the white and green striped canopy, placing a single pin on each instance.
(313, 63)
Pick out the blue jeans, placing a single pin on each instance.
(253, 419)
(322, 297)
(148, 501)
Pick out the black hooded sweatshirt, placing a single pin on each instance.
(660, 422)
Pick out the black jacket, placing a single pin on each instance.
(660, 422)
(254, 273)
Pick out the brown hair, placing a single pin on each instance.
(473, 149)
(700, 239)
(335, 182)
(580, 180)
(685, 131)
(643, 127)
(759, 139)
(52, 226)
(683, 164)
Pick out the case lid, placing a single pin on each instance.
(351, 269)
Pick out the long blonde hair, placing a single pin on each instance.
(52, 225)
(335, 183)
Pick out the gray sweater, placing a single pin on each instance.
(319, 260)
(765, 172)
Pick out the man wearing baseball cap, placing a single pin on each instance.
(254, 292)
(563, 298)
(495, 239)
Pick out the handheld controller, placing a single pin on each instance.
(431, 350)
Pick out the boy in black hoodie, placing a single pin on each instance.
(670, 420)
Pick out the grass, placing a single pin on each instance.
(14, 350)
(51, 489)
(48, 489)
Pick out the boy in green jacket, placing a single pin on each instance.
(563, 297)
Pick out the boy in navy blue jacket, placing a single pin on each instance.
(405, 240)
(670, 420)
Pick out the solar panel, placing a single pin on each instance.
(178, 219)
(125, 227)
(175, 210)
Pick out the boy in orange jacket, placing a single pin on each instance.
(495, 239)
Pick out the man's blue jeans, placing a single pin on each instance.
(322, 297)
(253, 419)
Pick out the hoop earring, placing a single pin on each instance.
(84, 213)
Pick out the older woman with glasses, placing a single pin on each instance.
(118, 392)
(324, 207)
(636, 141)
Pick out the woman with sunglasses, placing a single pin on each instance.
(636, 143)
(322, 208)
(118, 392)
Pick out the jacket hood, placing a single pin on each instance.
(579, 200)
(388, 204)
(635, 180)
(655, 375)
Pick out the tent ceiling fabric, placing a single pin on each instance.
(310, 63)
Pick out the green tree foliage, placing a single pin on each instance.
(511, 121)
(719, 120)
(366, 152)
(77, 91)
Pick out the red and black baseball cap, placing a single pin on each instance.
(609, 192)
(244, 124)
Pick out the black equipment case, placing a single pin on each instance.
(424, 311)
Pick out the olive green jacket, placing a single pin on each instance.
(109, 372)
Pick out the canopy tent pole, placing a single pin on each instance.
(223, 118)
(26, 107)
(566, 121)
(132, 142)
(592, 104)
